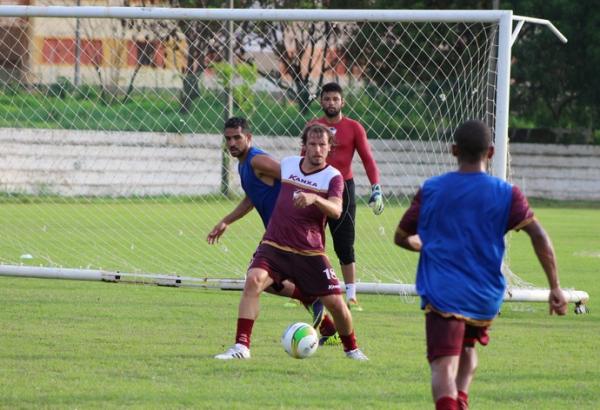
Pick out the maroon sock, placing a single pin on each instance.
(306, 300)
(446, 403)
(463, 400)
(349, 342)
(327, 327)
(244, 331)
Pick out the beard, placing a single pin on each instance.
(236, 153)
(316, 162)
(331, 112)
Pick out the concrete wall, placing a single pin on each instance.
(138, 164)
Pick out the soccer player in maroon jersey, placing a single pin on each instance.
(259, 176)
(457, 221)
(350, 137)
(293, 246)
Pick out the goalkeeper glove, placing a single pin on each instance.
(376, 199)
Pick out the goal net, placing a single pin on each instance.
(112, 123)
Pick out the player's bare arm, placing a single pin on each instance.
(545, 254)
(331, 207)
(266, 168)
(240, 211)
(406, 241)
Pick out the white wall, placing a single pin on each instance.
(124, 164)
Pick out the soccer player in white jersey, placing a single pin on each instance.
(293, 246)
(259, 177)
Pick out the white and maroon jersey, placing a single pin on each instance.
(301, 230)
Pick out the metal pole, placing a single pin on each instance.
(500, 160)
(226, 161)
(77, 76)
(468, 16)
(231, 62)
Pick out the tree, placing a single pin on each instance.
(303, 49)
(202, 43)
(556, 84)
(206, 43)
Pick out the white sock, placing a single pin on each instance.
(350, 291)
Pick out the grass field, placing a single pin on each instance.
(66, 344)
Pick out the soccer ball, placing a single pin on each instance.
(300, 340)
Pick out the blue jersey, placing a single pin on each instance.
(263, 196)
(462, 222)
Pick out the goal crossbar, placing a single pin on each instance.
(484, 16)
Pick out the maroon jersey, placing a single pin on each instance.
(301, 230)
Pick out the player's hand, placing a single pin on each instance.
(376, 199)
(304, 199)
(558, 302)
(217, 231)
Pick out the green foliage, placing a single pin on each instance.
(11, 88)
(556, 84)
(62, 88)
(239, 78)
(88, 92)
(153, 111)
(158, 111)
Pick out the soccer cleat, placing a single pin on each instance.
(237, 351)
(354, 306)
(356, 354)
(333, 340)
(317, 311)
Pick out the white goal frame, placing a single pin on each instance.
(506, 37)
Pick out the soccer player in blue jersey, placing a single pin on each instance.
(457, 221)
(260, 178)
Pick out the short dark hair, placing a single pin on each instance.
(318, 128)
(472, 138)
(237, 122)
(331, 88)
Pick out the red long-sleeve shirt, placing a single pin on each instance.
(350, 136)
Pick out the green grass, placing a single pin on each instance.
(162, 236)
(160, 111)
(67, 344)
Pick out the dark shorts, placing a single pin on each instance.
(342, 229)
(312, 274)
(448, 336)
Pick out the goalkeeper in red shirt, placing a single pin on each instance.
(350, 137)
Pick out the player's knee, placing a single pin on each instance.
(345, 254)
(468, 358)
(255, 281)
(444, 368)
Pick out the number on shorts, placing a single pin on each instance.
(329, 273)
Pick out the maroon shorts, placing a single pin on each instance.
(448, 336)
(312, 274)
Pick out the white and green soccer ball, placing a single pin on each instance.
(300, 340)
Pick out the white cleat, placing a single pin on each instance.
(356, 354)
(237, 351)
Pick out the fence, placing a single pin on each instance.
(74, 163)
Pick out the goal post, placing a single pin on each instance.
(112, 117)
